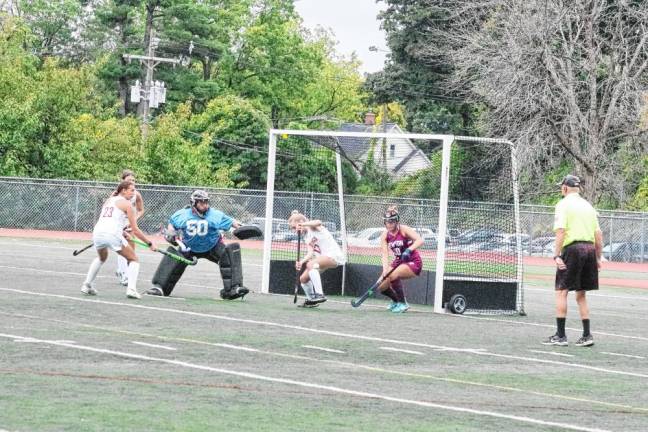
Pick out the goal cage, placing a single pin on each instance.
(459, 193)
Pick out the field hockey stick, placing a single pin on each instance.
(357, 302)
(78, 251)
(297, 271)
(176, 257)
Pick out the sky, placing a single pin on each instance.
(354, 24)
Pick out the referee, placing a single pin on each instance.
(577, 254)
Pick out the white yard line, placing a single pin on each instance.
(551, 353)
(331, 350)
(329, 332)
(592, 294)
(401, 350)
(154, 346)
(351, 365)
(623, 355)
(333, 389)
(236, 347)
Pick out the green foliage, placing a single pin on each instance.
(94, 149)
(237, 133)
(374, 179)
(173, 159)
(640, 200)
(252, 66)
(52, 24)
(310, 168)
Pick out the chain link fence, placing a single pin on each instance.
(73, 205)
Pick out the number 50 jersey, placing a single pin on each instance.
(200, 234)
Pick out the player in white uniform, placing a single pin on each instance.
(138, 205)
(323, 253)
(108, 233)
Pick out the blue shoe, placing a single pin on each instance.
(391, 306)
(400, 308)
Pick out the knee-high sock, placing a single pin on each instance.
(93, 270)
(308, 289)
(397, 286)
(133, 272)
(122, 265)
(317, 281)
(391, 294)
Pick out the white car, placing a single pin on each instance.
(369, 237)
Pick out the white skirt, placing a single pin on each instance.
(104, 240)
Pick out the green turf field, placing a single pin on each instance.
(195, 363)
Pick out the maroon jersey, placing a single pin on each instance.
(398, 243)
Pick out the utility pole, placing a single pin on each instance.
(151, 94)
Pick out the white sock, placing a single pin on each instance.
(133, 271)
(308, 289)
(317, 281)
(122, 265)
(93, 270)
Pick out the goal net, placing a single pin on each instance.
(458, 193)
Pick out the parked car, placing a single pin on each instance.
(430, 241)
(625, 252)
(480, 235)
(369, 237)
(277, 224)
(538, 244)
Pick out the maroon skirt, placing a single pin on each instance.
(415, 264)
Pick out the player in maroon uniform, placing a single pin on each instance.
(403, 242)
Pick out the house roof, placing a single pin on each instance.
(355, 147)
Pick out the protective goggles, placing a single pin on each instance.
(391, 218)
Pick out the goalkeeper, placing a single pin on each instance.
(403, 241)
(195, 229)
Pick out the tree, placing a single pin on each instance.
(564, 80)
(172, 158)
(114, 30)
(418, 67)
(52, 24)
(237, 134)
(274, 63)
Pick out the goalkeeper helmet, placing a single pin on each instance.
(197, 196)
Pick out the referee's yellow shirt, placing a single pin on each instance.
(577, 217)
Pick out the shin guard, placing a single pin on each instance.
(231, 268)
(168, 273)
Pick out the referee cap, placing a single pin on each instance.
(570, 180)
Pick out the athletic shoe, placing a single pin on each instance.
(319, 298)
(585, 341)
(155, 291)
(391, 306)
(123, 280)
(88, 289)
(234, 293)
(556, 340)
(314, 301)
(133, 294)
(400, 308)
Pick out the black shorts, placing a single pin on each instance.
(582, 269)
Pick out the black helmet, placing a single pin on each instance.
(198, 195)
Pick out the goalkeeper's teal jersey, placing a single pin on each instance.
(200, 233)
